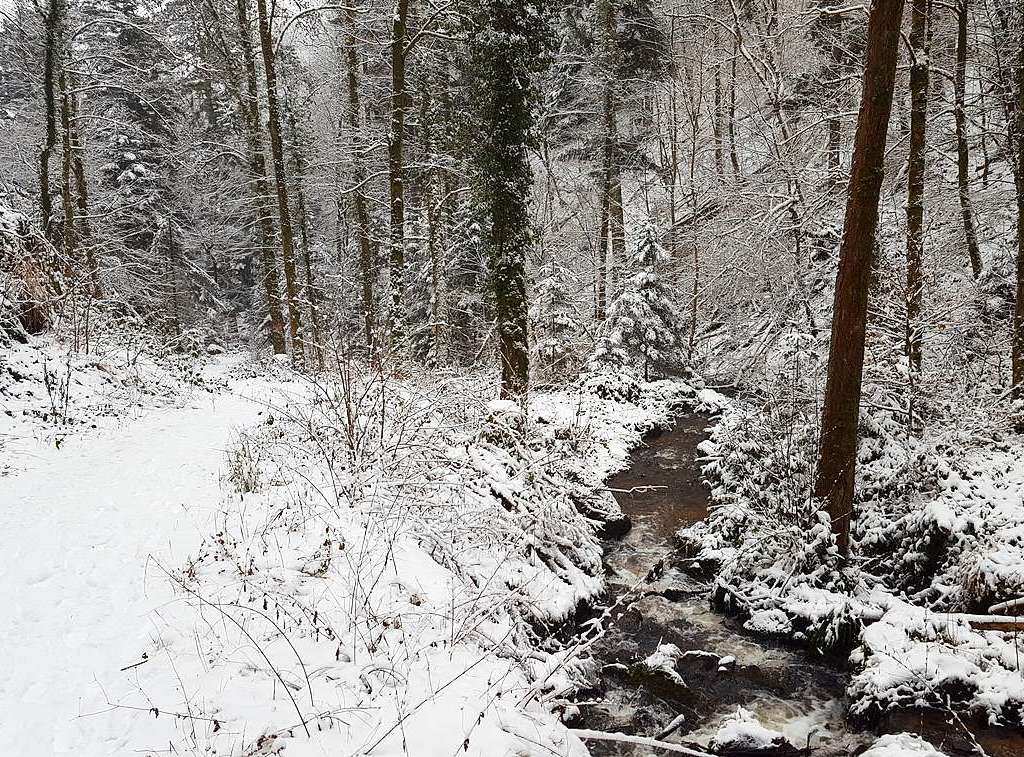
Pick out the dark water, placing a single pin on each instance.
(722, 666)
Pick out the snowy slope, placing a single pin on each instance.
(77, 526)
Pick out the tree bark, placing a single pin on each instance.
(731, 114)
(67, 170)
(505, 54)
(612, 222)
(1017, 136)
(258, 169)
(367, 267)
(962, 152)
(834, 484)
(919, 75)
(601, 281)
(396, 169)
(53, 21)
(281, 184)
(312, 294)
(84, 227)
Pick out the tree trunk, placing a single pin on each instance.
(617, 233)
(1018, 133)
(611, 171)
(837, 459)
(601, 282)
(312, 295)
(53, 22)
(396, 170)
(504, 57)
(281, 184)
(716, 122)
(731, 115)
(67, 171)
(261, 189)
(367, 268)
(962, 154)
(84, 228)
(915, 176)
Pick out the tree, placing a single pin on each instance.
(506, 45)
(400, 46)
(53, 24)
(643, 327)
(281, 182)
(919, 34)
(553, 321)
(963, 166)
(837, 456)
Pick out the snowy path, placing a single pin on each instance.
(76, 529)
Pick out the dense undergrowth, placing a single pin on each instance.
(394, 556)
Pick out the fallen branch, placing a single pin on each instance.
(588, 735)
(1008, 608)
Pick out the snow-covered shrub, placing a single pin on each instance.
(913, 657)
(31, 277)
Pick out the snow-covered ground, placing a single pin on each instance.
(221, 558)
(82, 526)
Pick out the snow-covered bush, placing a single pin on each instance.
(31, 277)
(394, 548)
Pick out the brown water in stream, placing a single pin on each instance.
(661, 492)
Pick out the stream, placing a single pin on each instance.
(722, 666)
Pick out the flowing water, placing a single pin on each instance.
(721, 667)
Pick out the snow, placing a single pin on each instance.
(663, 660)
(78, 526)
(902, 745)
(192, 570)
(743, 731)
(772, 622)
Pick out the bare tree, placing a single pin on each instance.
(837, 457)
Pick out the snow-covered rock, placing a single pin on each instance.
(901, 745)
(743, 734)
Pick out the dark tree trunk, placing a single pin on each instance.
(312, 295)
(84, 228)
(367, 268)
(396, 169)
(837, 460)
(915, 176)
(601, 281)
(612, 221)
(67, 172)
(1018, 137)
(261, 188)
(53, 21)
(731, 115)
(962, 153)
(281, 184)
(505, 54)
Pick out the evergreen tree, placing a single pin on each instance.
(643, 327)
(553, 321)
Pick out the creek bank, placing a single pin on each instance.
(671, 667)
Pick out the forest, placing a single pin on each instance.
(512, 377)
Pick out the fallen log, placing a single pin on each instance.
(1011, 607)
(625, 738)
